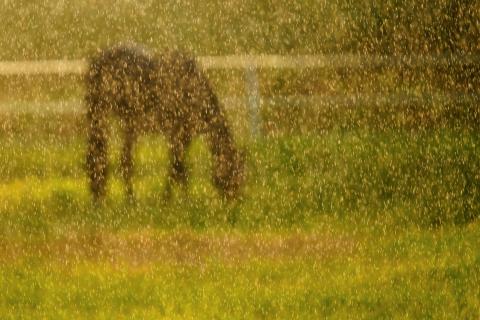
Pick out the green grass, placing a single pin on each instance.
(326, 273)
(348, 212)
(420, 177)
(363, 222)
(74, 29)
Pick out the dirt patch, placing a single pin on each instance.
(185, 248)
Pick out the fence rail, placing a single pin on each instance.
(63, 67)
(251, 63)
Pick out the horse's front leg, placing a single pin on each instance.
(178, 172)
(126, 162)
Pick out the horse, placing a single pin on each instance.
(167, 92)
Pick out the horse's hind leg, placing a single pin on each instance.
(97, 145)
(126, 162)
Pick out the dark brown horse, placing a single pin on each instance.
(168, 92)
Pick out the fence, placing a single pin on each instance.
(251, 63)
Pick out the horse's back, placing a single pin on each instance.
(169, 89)
(124, 77)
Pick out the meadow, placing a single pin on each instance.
(352, 221)
(75, 29)
(366, 209)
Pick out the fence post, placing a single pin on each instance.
(253, 98)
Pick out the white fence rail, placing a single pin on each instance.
(246, 62)
(251, 63)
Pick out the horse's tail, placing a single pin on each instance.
(97, 127)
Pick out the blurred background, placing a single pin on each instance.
(429, 71)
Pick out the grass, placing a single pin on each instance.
(74, 29)
(349, 212)
(422, 177)
(363, 222)
(326, 273)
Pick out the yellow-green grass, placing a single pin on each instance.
(367, 211)
(74, 29)
(335, 271)
(346, 223)
(425, 176)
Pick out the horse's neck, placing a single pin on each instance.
(221, 139)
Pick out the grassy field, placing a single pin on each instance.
(362, 210)
(75, 29)
(326, 272)
(362, 222)
(69, 29)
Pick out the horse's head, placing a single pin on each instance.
(229, 174)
